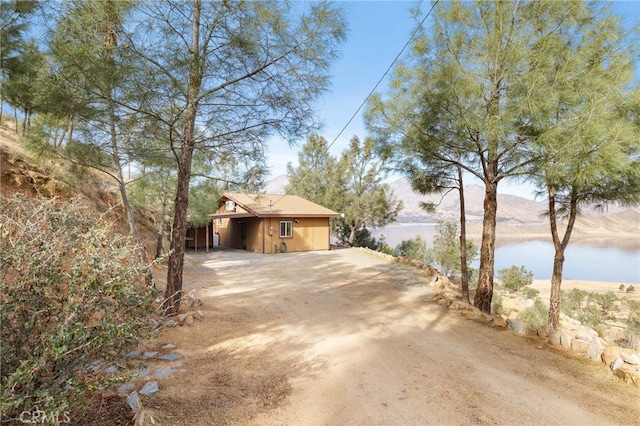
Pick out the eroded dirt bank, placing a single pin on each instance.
(347, 338)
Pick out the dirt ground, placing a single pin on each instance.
(344, 337)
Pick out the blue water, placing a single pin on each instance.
(610, 262)
(582, 262)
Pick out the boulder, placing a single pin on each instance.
(499, 321)
(632, 359)
(609, 354)
(565, 339)
(516, 326)
(595, 349)
(630, 377)
(616, 364)
(579, 345)
(554, 337)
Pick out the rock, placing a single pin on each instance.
(444, 302)
(198, 315)
(149, 388)
(554, 337)
(126, 387)
(579, 345)
(630, 377)
(142, 371)
(133, 354)
(161, 373)
(632, 359)
(499, 321)
(188, 320)
(595, 349)
(516, 326)
(133, 401)
(150, 354)
(169, 346)
(610, 354)
(459, 305)
(616, 364)
(565, 339)
(170, 357)
(542, 331)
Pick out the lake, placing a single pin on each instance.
(608, 260)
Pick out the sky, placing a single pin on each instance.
(378, 30)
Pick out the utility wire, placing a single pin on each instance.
(413, 35)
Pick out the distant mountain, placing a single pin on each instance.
(511, 209)
(276, 185)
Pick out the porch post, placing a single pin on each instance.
(207, 236)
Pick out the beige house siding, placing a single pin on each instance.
(256, 225)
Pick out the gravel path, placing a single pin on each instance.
(344, 337)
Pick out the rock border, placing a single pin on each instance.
(571, 336)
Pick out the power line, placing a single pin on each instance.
(413, 35)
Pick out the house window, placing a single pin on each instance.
(219, 221)
(286, 229)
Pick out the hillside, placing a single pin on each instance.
(24, 172)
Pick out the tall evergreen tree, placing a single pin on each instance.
(352, 185)
(471, 92)
(222, 77)
(85, 45)
(588, 142)
(316, 177)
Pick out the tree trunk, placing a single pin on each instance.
(556, 282)
(484, 293)
(352, 236)
(159, 242)
(558, 259)
(464, 270)
(131, 220)
(172, 295)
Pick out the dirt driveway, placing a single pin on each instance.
(344, 337)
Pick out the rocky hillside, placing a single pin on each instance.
(29, 174)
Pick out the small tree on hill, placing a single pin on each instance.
(446, 248)
(515, 278)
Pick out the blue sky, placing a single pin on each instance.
(378, 30)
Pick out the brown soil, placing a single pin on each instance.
(346, 337)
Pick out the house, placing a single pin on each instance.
(274, 223)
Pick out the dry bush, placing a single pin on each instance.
(73, 302)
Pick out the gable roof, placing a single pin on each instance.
(272, 205)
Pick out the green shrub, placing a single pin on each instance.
(630, 289)
(413, 249)
(591, 316)
(538, 314)
(497, 301)
(530, 293)
(515, 278)
(72, 295)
